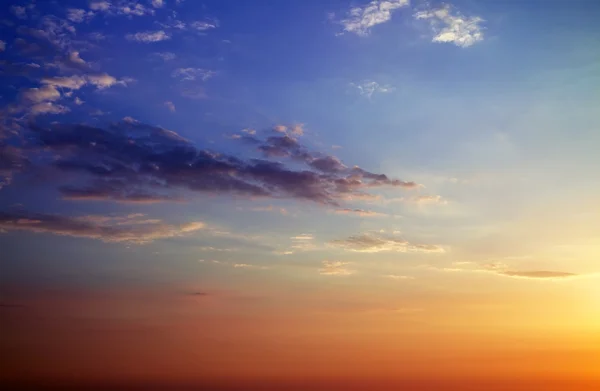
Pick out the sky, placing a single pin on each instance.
(314, 194)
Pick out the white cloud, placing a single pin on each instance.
(134, 9)
(158, 3)
(78, 15)
(78, 101)
(430, 199)
(368, 88)
(297, 130)
(2, 46)
(193, 73)
(70, 82)
(169, 105)
(75, 58)
(247, 266)
(303, 237)
(335, 268)
(369, 243)
(45, 93)
(47, 108)
(203, 26)
(102, 5)
(453, 27)
(149, 36)
(359, 212)
(361, 19)
(166, 56)
(503, 270)
(398, 277)
(102, 81)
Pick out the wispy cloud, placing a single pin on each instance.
(269, 208)
(166, 56)
(303, 237)
(189, 74)
(452, 27)
(248, 266)
(169, 105)
(360, 20)
(371, 243)
(359, 212)
(148, 36)
(429, 199)
(398, 277)
(335, 268)
(368, 88)
(131, 228)
(504, 270)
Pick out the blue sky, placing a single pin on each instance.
(483, 112)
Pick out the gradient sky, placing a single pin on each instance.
(338, 191)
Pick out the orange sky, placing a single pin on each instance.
(176, 334)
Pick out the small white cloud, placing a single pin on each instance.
(430, 199)
(75, 58)
(130, 120)
(134, 10)
(335, 268)
(193, 73)
(2, 46)
(398, 277)
(166, 56)
(102, 5)
(78, 101)
(303, 237)
(169, 105)
(70, 82)
(359, 212)
(297, 130)
(158, 3)
(48, 108)
(78, 15)
(369, 243)
(102, 81)
(453, 27)
(45, 93)
(368, 88)
(361, 19)
(203, 26)
(149, 36)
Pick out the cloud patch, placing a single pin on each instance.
(360, 20)
(335, 268)
(368, 88)
(504, 270)
(133, 162)
(190, 74)
(121, 229)
(148, 36)
(449, 26)
(371, 243)
(359, 212)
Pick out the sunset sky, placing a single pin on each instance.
(301, 193)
